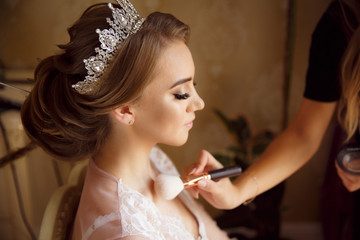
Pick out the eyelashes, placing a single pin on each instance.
(185, 95)
(182, 96)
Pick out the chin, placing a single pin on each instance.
(177, 142)
(179, 145)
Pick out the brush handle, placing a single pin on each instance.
(225, 172)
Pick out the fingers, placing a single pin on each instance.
(194, 192)
(190, 170)
(350, 181)
(202, 162)
(213, 192)
(204, 185)
(206, 162)
(208, 186)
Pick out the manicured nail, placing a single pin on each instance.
(196, 195)
(192, 171)
(202, 184)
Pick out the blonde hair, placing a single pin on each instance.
(349, 104)
(71, 126)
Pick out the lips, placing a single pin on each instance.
(190, 124)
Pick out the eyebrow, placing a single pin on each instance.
(181, 82)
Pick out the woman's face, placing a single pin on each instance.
(166, 110)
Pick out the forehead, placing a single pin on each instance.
(175, 63)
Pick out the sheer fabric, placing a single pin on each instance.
(109, 209)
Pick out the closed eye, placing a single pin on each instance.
(182, 96)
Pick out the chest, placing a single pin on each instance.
(177, 208)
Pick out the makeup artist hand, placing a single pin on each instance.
(350, 181)
(217, 193)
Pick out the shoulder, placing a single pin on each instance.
(337, 21)
(129, 219)
(108, 208)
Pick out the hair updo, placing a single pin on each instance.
(71, 126)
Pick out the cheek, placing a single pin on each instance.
(167, 114)
(165, 123)
(162, 115)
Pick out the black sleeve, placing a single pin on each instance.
(327, 47)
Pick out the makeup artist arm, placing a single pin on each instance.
(285, 155)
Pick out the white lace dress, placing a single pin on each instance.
(109, 209)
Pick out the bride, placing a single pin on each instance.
(121, 85)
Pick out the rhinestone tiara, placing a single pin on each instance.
(126, 21)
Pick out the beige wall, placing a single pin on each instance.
(238, 48)
(303, 188)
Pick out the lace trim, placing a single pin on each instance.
(100, 221)
(139, 215)
(162, 162)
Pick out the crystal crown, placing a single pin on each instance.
(126, 21)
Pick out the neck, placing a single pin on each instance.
(127, 157)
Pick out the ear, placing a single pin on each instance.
(124, 115)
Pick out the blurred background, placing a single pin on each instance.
(251, 59)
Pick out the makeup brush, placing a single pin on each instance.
(169, 186)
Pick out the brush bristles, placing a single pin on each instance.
(167, 186)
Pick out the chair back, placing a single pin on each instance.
(61, 209)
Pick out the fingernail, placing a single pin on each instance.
(197, 195)
(202, 184)
(192, 171)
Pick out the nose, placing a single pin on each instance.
(196, 103)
